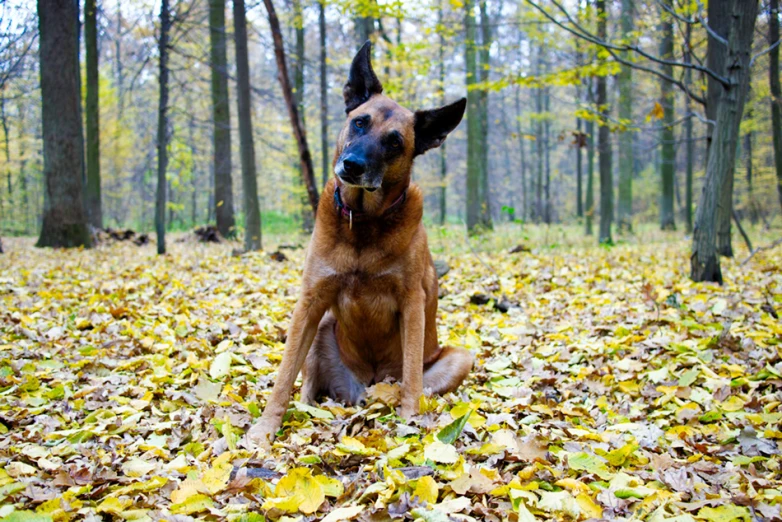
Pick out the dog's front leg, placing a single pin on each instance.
(304, 325)
(413, 352)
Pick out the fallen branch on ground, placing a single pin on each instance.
(760, 249)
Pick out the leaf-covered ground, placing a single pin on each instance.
(613, 388)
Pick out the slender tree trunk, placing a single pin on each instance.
(324, 94)
(719, 21)
(547, 149)
(221, 122)
(508, 178)
(523, 158)
(24, 189)
(688, 132)
(668, 153)
(162, 129)
(307, 170)
(307, 217)
(753, 211)
(625, 80)
(473, 125)
(705, 263)
(484, 66)
(7, 147)
(193, 174)
(539, 145)
(252, 211)
(93, 194)
(776, 92)
(64, 218)
(725, 207)
(589, 208)
(578, 141)
(443, 156)
(604, 140)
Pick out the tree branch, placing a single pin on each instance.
(611, 48)
(608, 46)
(760, 249)
(764, 51)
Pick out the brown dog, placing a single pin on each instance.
(369, 289)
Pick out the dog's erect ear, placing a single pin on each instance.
(431, 127)
(362, 81)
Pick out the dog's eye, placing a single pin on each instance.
(394, 141)
(359, 123)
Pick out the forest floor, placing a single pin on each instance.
(613, 387)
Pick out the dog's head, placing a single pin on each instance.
(380, 138)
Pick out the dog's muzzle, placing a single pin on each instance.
(353, 170)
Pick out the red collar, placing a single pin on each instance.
(355, 215)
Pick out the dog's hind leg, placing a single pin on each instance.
(325, 373)
(447, 372)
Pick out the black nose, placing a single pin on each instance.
(353, 167)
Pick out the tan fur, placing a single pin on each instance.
(377, 283)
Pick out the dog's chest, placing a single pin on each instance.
(368, 301)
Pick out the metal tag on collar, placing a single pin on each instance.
(350, 212)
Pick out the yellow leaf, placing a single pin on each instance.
(343, 513)
(386, 393)
(194, 504)
(137, 467)
(426, 490)
(303, 490)
(657, 112)
(216, 478)
(351, 446)
(331, 487)
(588, 506)
(187, 489)
(113, 505)
(732, 404)
(725, 513)
(441, 453)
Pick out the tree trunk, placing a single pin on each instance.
(776, 93)
(484, 65)
(298, 98)
(473, 125)
(604, 141)
(668, 152)
(7, 148)
(688, 132)
(252, 211)
(523, 156)
(589, 205)
(307, 170)
(324, 94)
(719, 21)
(589, 209)
(443, 157)
(64, 218)
(539, 146)
(93, 193)
(625, 80)
(162, 129)
(704, 260)
(753, 211)
(578, 141)
(547, 150)
(221, 122)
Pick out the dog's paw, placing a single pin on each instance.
(409, 411)
(260, 436)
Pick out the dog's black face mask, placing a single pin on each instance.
(381, 138)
